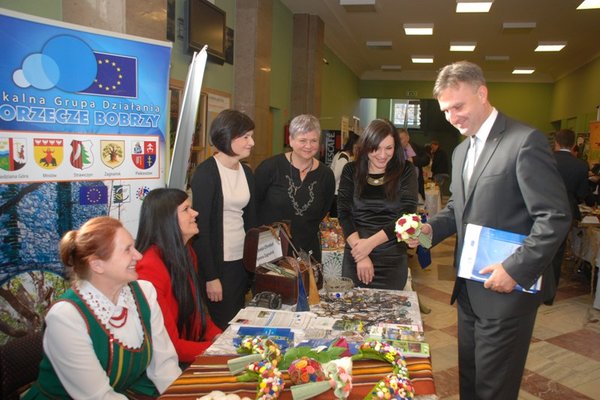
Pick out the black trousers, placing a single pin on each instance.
(491, 352)
(235, 283)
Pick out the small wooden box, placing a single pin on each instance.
(264, 281)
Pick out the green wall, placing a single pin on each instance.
(218, 77)
(575, 98)
(339, 92)
(528, 102)
(48, 8)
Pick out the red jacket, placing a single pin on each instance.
(152, 268)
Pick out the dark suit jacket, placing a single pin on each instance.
(515, 187)
(420, 160)
(575, 176)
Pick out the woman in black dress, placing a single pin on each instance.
(375, 190)
(297, 187)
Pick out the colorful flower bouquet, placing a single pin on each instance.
(408, 226)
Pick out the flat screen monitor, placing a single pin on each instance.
(206, 26)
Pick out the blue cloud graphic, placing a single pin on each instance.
(65, 62)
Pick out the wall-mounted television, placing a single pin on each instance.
(206, 26)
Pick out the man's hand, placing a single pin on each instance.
(425, 230)
(214, 290)
(500, 281)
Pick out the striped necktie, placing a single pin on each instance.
(471, 160)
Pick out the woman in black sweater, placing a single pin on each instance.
(223, 194)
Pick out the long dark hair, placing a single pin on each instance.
(159, 226)
(370, 139)
(349, 146)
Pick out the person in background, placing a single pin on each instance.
(503, 177)
(375, 190)
(440, 167)
(574, 173)
(341, 158)
(223, 190)
(167, 225)
(296, 187)
(105, 337)
(417, 156)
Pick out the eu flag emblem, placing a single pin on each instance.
(117, 76)
(93, 195)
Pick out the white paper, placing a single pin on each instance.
(269, 247)
(257, 316)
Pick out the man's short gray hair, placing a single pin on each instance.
(459, 72)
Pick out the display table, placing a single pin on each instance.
(584, 242)
(333, 318)
(210, 373)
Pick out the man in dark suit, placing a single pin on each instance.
(504, 177)
(574, 173)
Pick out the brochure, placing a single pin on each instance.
(484, 246)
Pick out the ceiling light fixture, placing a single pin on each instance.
(473, 6)
(357, 2)
(422, 59)
(523, 71)
(391, 67)
(589, 4)
(519, 25)
(550, 46)
(379, 44)
(418, 29)
(463, 46)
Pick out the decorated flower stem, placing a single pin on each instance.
(375, 350)
(339, 379)
(257, 349)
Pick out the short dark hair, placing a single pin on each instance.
(456, 73)
(227, 126)
(565, 138)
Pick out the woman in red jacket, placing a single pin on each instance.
(167, 223)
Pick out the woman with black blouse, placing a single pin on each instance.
(222, 191)
(297, 187)
(375, 190)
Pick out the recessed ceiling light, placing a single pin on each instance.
(470, 6)
(519, 25)
(380, 44)
(550, 46)
(391, 67)
(357, 2)
(589, 4)
(422, 59)
(418, 29)
(463, 46)
(523, 71)
(497, 58)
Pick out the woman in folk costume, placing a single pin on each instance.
(105, 337)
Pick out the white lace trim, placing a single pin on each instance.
(104, 309)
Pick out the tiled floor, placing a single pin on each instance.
(564, 356)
